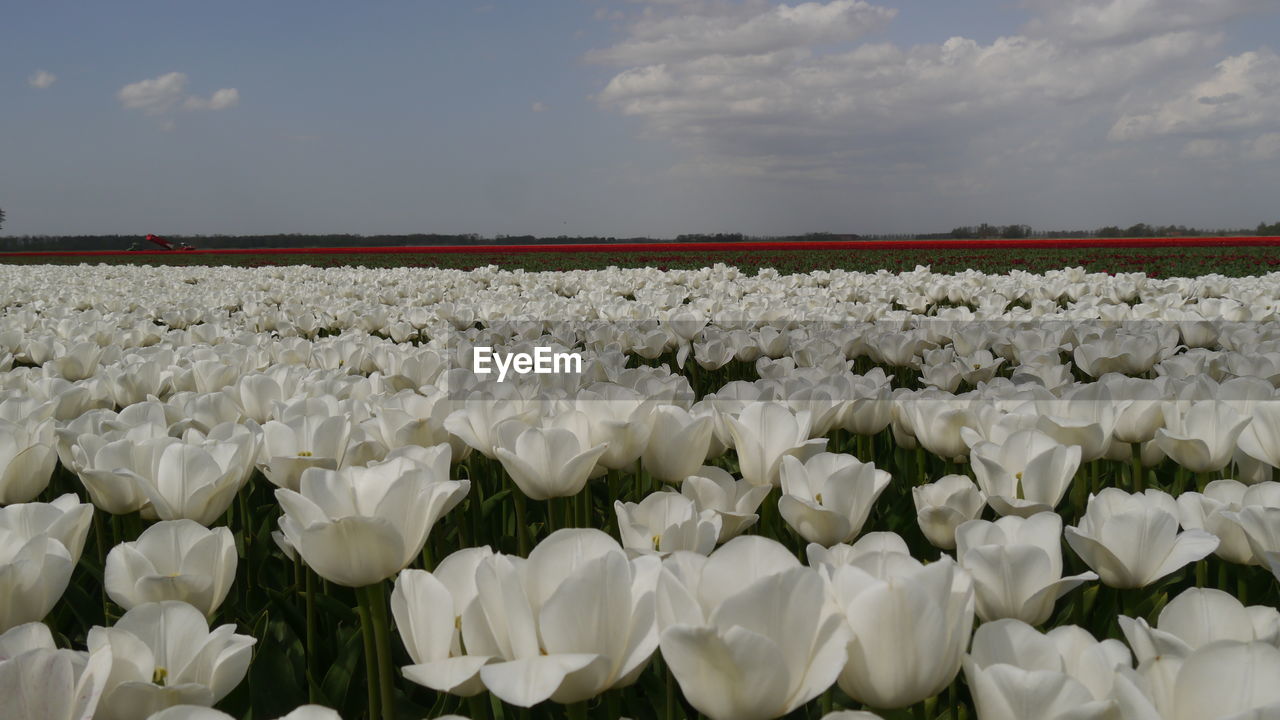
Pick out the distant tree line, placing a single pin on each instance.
(739, 237)
(38, 243)
(1139, 230)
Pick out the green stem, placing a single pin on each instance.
(312, 679)
(522, 528)
(479, 707)
(670, 710)
(133, 526)
(377, 595)
(1181, 475)
(298, 583)
(613, 705)
(694, 369)
(246, 525)
(476, 501)
(370, 654)
(100, 538)
(576, 711)
(615, 487)
(428, 561)
(1136, 450)
(1125, 604)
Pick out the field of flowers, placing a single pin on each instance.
(820, 494)
(1167, 257)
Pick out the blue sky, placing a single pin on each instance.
(636, 117)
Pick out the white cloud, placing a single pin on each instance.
(793, 108)
(786, 122)
(1266, 146)
(1243, 93)
(166, 93)
(538, 106)
(220, 100)
(1206, 148)
(709, 29)
(154, 96)
(759, 89)
(42, 79)
(1094, 22)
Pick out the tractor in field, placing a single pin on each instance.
(164, 244)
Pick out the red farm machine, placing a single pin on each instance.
(164, 244)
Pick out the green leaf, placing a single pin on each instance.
(493, 501)
(337, 681)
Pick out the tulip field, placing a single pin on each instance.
(816, 493)
(1166, 257)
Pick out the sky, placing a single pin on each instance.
(631, 118)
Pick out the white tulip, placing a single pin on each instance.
(66, 520)
(290, 448)
(827, 498)
(1028, 473)
(664, 522)
(944, 505)
(735, 502)
(763, 651)
(1201, 436)
(574, 620)
(173, 560)
(678, 443)
(1016, 673)
(359, 526)
(1224, 680)
(1261, 527)
(1133, 540)
(1016, 565)
(691, 586)
(546, 463)
(164, 655)
(1197, 617)
(39, 682)
(34, 572)
(765, 433)
(910, 627)
(1208, 511)
(27, 459)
